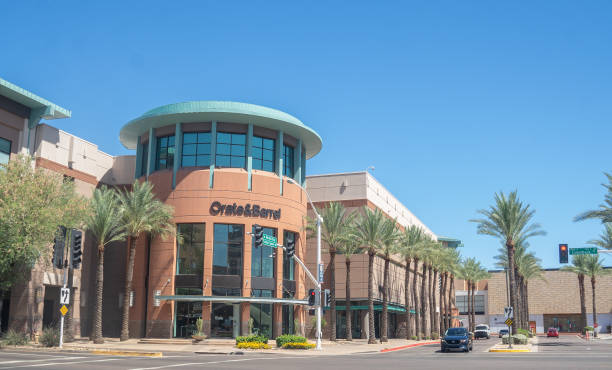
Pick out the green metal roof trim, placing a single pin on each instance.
(32, 101)
(220, 111)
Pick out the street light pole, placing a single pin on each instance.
(319, 278)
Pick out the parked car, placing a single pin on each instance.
(503, 332)
(457, 338)
(552, 332)
(482, 331)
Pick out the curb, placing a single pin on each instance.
(508, 350)
(126, 353)
(409, 346)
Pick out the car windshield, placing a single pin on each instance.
(481, 327)
(456, 331)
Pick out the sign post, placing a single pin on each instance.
(509, 315)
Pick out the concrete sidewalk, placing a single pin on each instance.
(222, 346)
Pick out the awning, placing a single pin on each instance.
(200, 298)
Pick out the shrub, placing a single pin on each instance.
(435, 336)
(14, 338)
(287, 338)
(589, 328)
(516, 339)
(252, 338)
(49, 337)
(526, 333)
(298, 345)
(414, 337)
(253, 345)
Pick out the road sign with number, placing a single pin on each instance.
(64, 310)
(580, 251)
(268, 240)
(508, 322)
(64, 296)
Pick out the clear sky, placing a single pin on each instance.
(451, 101)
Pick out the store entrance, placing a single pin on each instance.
(187, 314)
(225, 320)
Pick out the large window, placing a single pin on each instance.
(231, 150)
(479, 304)
(187, 314)
(5, 151)
(261, 313)
(196, 149)
(144, 161)
(227, 249)
(263, 154)
(165, 152)
(288, 316)
(288, 263)
(190, 249)
(288, 161)
(262, 258)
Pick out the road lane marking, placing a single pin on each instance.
(216, 362)
(40, 360)
(66, 363)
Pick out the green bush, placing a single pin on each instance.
(49, 337)
(252, 345)
(252, 338)
(298, 345)
(516, 339)
(14, 338)
(589, 328)
(526, 333)
(435, 336)
(414, 337)
(287, 338)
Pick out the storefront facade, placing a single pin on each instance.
(224, 167)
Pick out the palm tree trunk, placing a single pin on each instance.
(434, 297)
(96, 331)
(511, 278)
(424, 326)
(444, 277)
(451, 300)
(407, 299)
(125, 319)
(430, 294)
(383, 329)
(332, 294)
(518, 311)
(349, 323)
(527, 303)
(594, 307)
(473, 306)
(583, 313)
(417, 302)
(469, 305)
(371, 328)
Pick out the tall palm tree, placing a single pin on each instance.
(454, 264)
(510, 221)
(578, 267)
(604, 213)
(348, 249)
(388, 246)
(141, 213)
(104, 222)
(594, 268)
(424, 254)
(409, 242)
(436, 257)
(468, 272)
(605, 239)
(335, 230)
(367, 230)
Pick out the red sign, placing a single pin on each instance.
(595, 325)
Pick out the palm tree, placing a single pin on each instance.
(605, 239)
(368, 230)
(435, 263)
(409, 242)
(594, 268)
(105, 225)
(469, 271)
(455, 260)
(424, 254)
(141, 213)
(335, 230)
(348, 249)
(388, 237)
(480, 274)
(578, 267)
(510, 221)
(604, 213)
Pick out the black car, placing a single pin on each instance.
(457, 338)
(503, 332)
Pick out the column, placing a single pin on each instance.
(249, 144)
(297, 162)
(279, 159)
(152, 145)
(138, 169)
(303, 167)
(277, 308)
(213, 152)
(178, 152)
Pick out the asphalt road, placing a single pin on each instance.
(564, 353)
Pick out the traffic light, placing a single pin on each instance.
(563, 253)
(75, 248)
(290, 248)
(312, 297)
(58, 248)
(326, 298)
(258, 233)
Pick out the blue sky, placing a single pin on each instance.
(450, 101)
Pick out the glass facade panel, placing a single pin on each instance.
(190, 249)
(196, 149)
(263, 154)
(187, 313)
(288, 161)
(288, 316)
(288, 263)
(164, 152)
(222, 320)
(227, 249)
(261, 313)
(479, 304)
(145, 159)
(231, 150)
(5, 151)
(262, 258)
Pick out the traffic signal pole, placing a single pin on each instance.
(65, 281)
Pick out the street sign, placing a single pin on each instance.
(320, 272)
(508, 322)
(580, 251)
(64, 310)
(269, 240)
(508, 313)
(64, 296)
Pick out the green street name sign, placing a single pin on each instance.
(578, 251)
(269, 241)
